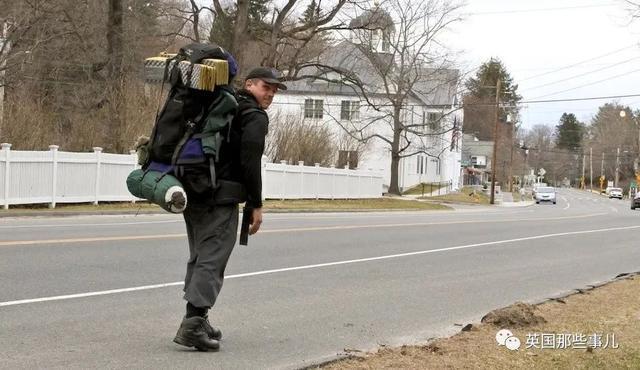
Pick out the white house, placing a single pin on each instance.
(431, 109)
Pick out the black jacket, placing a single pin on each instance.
(241, 157)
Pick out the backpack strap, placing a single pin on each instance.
(248, 110)
(191, 127)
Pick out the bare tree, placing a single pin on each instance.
(72, 67)
(396, 65)
(292, 139)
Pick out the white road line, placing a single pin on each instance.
(267, 231)
(565, 199)
(319, 265)
(275, 217)
(86, 225)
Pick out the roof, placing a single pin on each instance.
(436, 87)
(376, 18)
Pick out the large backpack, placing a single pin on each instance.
(192, 123)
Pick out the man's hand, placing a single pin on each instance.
(256, 221)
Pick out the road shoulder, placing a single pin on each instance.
(598, 327)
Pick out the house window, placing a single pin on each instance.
(437, 164)
(421, 167)
(350, 110)
(347, 158)
(313, 108)
(479, 161)
(433, 120)
(386, 41)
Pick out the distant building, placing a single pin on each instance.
(476, 160)
(433, 107)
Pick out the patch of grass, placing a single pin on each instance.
(83, 207)
(516, 196)
(465, 196)
(425, 187)
(269, 205)
(589, 313)
(351, 204)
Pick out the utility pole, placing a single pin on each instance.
(602, 173)
(4, 51)
(494, 167)
(511, 161)
(582, 179)
(590, 169)
(617, 167)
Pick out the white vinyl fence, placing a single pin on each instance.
(28, 177)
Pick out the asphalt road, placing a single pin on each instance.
(105, 291)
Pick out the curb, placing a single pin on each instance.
(10, 214)
(556, 298)
(527, 203)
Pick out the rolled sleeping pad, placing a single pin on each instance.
(158, 188)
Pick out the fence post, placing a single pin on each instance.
(6, 149)
(370, 187)
(98, 151)
(333, 181)
(346, 167)
(263, 173)
(301, 165)
(134, 156)
(54, 176)
(317, 180)
(283, 178)
(358, 189)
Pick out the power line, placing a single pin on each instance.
(582, 74)
(579, 99)
(542, 9)
(560, 100)
(589, 84)
(578, 63)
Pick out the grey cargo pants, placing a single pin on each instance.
(212, 233)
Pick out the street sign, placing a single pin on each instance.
(541, 172)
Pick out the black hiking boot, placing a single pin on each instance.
(213, 332)
(192, 334)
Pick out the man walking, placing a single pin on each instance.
(212, 219)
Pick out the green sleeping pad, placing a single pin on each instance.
(158, 188)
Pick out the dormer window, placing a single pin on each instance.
(386, 41)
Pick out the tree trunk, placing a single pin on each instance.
(394, 187)
(115, 47)
(115, 79)
(240, 29)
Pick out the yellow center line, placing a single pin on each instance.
(303, 229)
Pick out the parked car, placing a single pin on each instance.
(615, 193)
(545, 194)
(536, 186)
(635, 200)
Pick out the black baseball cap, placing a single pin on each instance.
(267, 75)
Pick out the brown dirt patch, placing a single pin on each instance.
(613, 309)
(518, 315)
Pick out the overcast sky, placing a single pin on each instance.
(536, 38)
